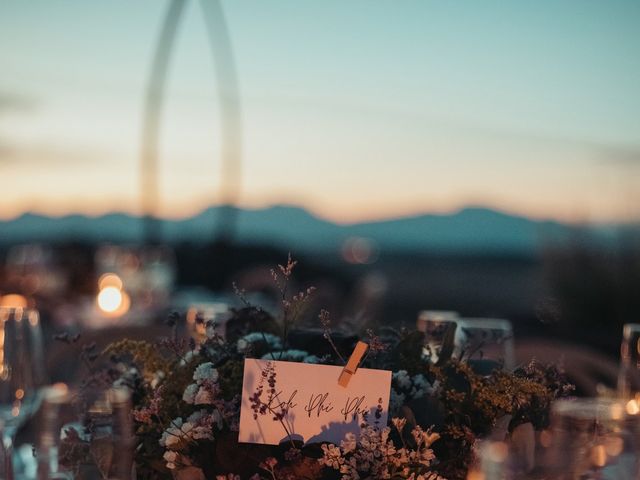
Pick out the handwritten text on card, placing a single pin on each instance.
(304, 401)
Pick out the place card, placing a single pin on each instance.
(305, 401)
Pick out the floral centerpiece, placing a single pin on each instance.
(186, 396)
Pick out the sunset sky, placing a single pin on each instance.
(355, 110)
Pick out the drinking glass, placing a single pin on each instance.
(203, 316)
(21, 373)
(55, 406)
(99, 442)
(629, 373)
(594, 439)
(437, 326)
(488, 339)
(588, 439)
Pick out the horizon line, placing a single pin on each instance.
(378, 219)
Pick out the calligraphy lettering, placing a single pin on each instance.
(319, 404)
(353, 407)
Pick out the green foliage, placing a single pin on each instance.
(231, 378)
(474, 403)
(407, 354)
(144, 355)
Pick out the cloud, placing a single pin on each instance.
(48, 154)
(13, 152)
(15, 102)
(623, 157)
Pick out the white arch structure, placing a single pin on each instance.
(230, 115)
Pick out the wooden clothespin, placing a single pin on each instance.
(352, 365)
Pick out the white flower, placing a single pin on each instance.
(190, 355)
(349, 442)
(171, 441)
(242, 345)
(402, 379)
(435, 387)
(196, 416)
(273, 342)
(189, 395)
(202, 433)
(171, 436)
(311, 359)
(332, 456)
(180, 434)
(203, 397)
(375, 456)
(399, 423)
(186, 428)
(171, 457)
(205, 371)
(291, 355)
(217, 418)
(157, 378)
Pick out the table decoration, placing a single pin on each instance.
(308, 402)
(21, 375)
(187, 397)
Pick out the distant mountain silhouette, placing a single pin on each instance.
(470, 229)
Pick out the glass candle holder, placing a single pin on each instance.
(629, 373)
(488, 339)
(440, 329)
(594, 439)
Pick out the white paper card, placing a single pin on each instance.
(306, 401)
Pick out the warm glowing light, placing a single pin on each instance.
(109, 299)
(497, 452)
(632, 407)
(617, 411)
(34, 318)
(56, 393)
(192, 313)
(125, 305)
(598, 456)
(110, 280)
(614, 446)
(19, 394)
(475, 475)
(60, 387)
(15, 411)
(13, 300)
(113, 302)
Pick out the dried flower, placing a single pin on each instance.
(376, 345)
(375, 456)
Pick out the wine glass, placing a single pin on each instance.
(439, 327)
(21, 373)
(489, 340)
